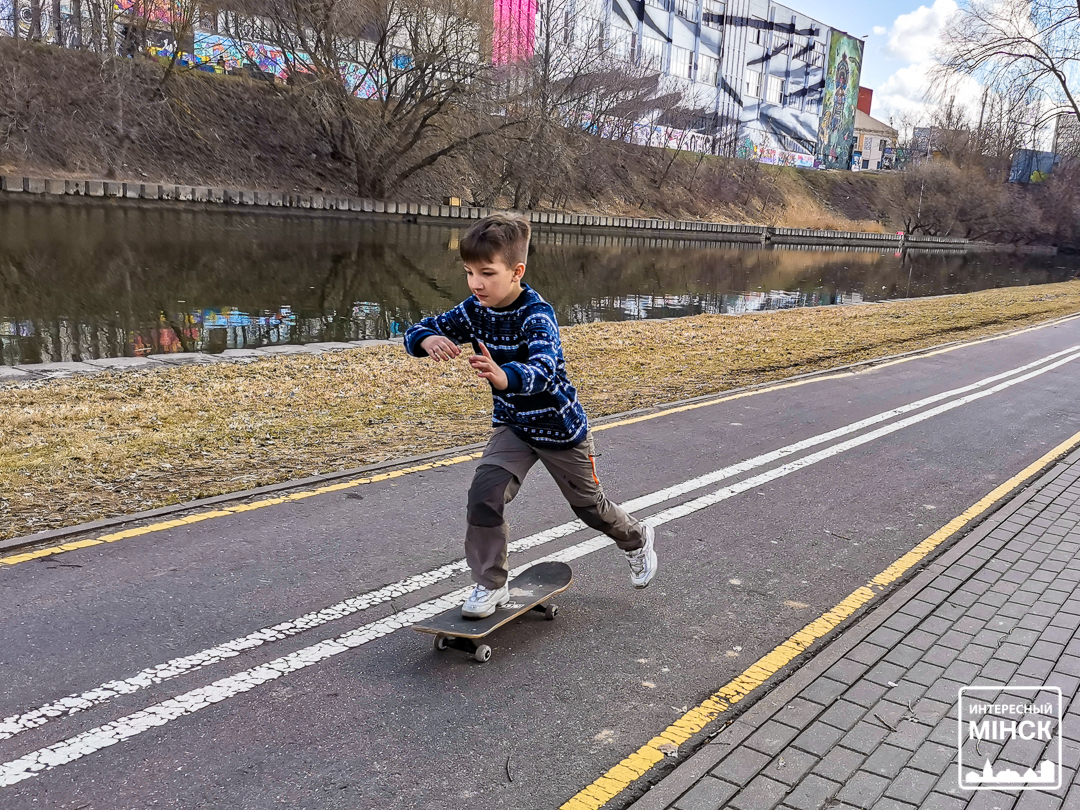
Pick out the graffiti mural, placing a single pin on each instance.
(6, 22)
(7, 9)
(226, 54)
(781, 157)
(746, 149)
(840, 101)
(161, 12)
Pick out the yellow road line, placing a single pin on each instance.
(15, 559)
(637, 764)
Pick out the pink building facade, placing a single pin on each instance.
(514, 31)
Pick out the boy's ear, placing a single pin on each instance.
(519, 270)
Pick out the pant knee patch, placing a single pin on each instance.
(487, 495)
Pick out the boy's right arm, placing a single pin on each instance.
(437, 335)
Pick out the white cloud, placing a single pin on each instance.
(913, 39)
(914, 36)
(880, 30)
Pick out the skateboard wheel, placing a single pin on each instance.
(483, 653)
(551, 611)
(440, 641)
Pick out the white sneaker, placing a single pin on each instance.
(483, 601)
(643, 560)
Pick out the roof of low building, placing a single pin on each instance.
(865, 123)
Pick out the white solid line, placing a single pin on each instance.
(95, 739)
(36, 717)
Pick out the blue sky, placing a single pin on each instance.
(900, 35)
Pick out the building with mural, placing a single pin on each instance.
(771, 84)
(782, 87)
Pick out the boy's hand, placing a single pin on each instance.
(488, 369)
(440, 348)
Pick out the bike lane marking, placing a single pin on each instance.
(72, 704)
(641, 761)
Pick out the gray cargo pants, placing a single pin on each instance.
(504, 465)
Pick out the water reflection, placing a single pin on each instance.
(90, 281)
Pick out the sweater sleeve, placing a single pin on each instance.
(453, 324)
(538, 372)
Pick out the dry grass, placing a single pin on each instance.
(89, 447)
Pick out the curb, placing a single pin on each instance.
(15, 543)
(688, 773)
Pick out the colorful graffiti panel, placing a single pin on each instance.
(840, 101)
(162, 12)
(225, 53)
(747, 149)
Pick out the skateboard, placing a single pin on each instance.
(529, 591)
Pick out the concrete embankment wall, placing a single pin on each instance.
(760, 234)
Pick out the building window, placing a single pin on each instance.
(687, 9)
(818, 56)
(708, 70)
(775, 90)
(798, 48)
(652, 53)
(664, 4)
(758, 32)
(866, 164)
(621, 43)
(781, 39)
(713, 14)
(682, 62)
(752, 84)
(884, 145)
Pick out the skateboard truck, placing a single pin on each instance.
(482, 652)
(531, 591)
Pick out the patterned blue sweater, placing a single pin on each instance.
(539, 404)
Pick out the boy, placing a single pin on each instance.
(536, 413)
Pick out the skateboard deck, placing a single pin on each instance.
(529, 590)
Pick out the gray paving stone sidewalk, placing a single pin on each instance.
(877, 727)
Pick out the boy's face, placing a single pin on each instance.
(494, 282)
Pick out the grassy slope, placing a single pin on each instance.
(116, 443)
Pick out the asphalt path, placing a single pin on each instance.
(145, 673)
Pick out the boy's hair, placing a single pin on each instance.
(503, 236)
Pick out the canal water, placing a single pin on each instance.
(106, 280)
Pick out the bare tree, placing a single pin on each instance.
(1031, 46)
(102, 17)
(580, 82)
(395, 85)
(180, 18)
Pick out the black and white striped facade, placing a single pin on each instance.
(759, 68)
